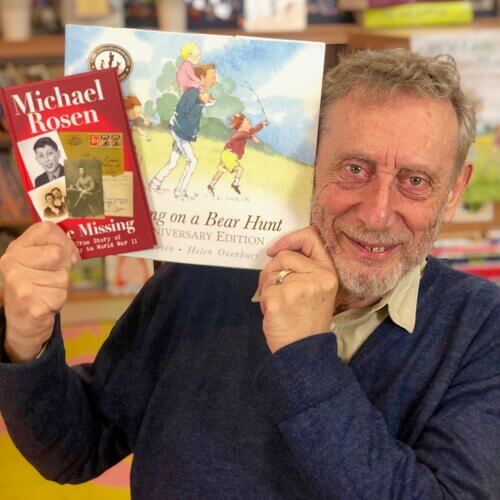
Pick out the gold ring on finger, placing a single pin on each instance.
(282, 275)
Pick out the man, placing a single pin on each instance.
(366, 371)
(85, 187)
(184, 127)
(48, 156)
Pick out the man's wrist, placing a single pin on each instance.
(21, 351)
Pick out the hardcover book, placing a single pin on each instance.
(225, 130)
(73, 148)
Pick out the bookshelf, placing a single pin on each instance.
(49, 49)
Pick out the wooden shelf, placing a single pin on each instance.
(35, 49)
(397, 38)
(20, 222)
(331, 34)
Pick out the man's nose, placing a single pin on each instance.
(378, 209)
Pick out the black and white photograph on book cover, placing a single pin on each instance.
(43, 156)
(85, 188)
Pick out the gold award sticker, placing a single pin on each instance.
(111, 56)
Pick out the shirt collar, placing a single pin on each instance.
(400, 303)
(55, 175)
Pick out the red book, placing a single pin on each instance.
(76, 159)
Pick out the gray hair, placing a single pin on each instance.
(380, 74)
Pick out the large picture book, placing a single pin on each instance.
(72, 144)
(225, 130)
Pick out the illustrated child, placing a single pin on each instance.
(234, 150)
(185, 75)
(135, 115)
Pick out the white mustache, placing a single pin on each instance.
(361, 234)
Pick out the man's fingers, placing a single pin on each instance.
(48, 233)
(306, 241)
(28, 280)
(285, 260)
(47, 258)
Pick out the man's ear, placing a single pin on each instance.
(456, 191)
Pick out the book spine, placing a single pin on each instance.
(417, 14)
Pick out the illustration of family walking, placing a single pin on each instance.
(195, 80)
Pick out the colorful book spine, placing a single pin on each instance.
(73, 148)
(417, 14)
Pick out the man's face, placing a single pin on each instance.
(209, 79)
(383, 187)
(48, 158)
(49, 199)
(81, 171)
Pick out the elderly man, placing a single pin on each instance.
(366, 370)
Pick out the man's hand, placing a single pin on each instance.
(303, 304)
(36, 271)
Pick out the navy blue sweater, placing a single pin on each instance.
(187, 383)
(187, 115)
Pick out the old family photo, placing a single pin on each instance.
(63, 187)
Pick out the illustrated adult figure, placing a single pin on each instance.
(184, 128)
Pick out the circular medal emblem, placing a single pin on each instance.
(111, 56)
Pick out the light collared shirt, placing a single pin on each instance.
(55, 175)
(354, 326)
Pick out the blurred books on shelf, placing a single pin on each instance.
(203, 14)
(275, 15)
(480, 257)
(326, 12)
(416, 14)
(141, 14)
(126, 275)
(88, 275)
(46, 17)
(13, 205)
(96, 12)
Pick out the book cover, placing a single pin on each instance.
(275, 15)
(416, 14)
(227, 155)
(75, 157)
(477, 54)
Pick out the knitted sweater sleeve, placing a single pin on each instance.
(341, 441)
(74, 423)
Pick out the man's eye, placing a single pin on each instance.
(416, 181)
(354, 169)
